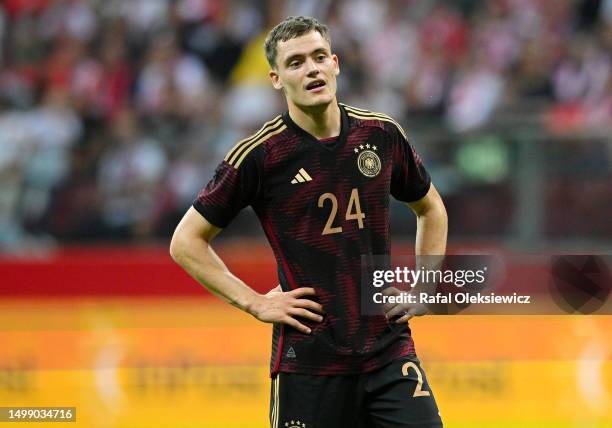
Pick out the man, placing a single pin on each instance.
(319, 179)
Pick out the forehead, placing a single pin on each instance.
(302, 45)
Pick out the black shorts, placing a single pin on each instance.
(397, 395)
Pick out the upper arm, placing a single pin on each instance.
(410, 180)
(432, 201)
(230, 190)
(192, 227)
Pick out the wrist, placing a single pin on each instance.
(253, 304)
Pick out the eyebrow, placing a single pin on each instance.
(295, 56)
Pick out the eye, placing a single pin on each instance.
(321, 57)
(294, 64)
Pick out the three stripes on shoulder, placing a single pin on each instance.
(237, 154)
(359, 113)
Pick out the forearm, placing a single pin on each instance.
(430, 246)
(432, 229)
(194, 254)
(201, 262)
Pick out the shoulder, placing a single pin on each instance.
(364, 117)
(248, 147)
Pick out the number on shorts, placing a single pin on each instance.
(418, 391)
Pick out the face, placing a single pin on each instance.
(306, 70)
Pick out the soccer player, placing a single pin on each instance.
(319, 178)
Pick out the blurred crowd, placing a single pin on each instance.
(114, 113)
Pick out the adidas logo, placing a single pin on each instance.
(301, 177)
(291, 351)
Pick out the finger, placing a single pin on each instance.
(391, 291)
(308, 304)
(276, 290)
(302, 291)
(296, 324)
(305, 313)
(416, 311)
(404, 319)
(388, 306)
(397, 310)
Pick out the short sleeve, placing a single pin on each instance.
(410, 181)
(229, 191)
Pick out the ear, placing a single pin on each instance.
(275, 78)
(337, 64)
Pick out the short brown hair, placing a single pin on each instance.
(290, 28)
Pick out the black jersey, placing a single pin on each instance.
(322, 206)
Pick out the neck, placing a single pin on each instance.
(319, 121)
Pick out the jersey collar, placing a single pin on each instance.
(344, 126)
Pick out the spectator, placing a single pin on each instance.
(101, 87)
(475, 94)
(52, 129)
(129, 179)
(170, 76)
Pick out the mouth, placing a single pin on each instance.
(316, 85)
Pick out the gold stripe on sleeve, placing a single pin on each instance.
(266, 127)
(273, 398)
(276, 400)
(364, 114)
(256, 143)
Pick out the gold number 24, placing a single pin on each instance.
(353, 204)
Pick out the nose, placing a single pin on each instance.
(312, 67)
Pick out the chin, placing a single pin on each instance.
(319, 101)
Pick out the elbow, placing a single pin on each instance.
(190, 238)
(177, 248)
(184, 246)
(434, 209)
(435, 214)
(437, 209)
(442, 212)
(441, 216)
